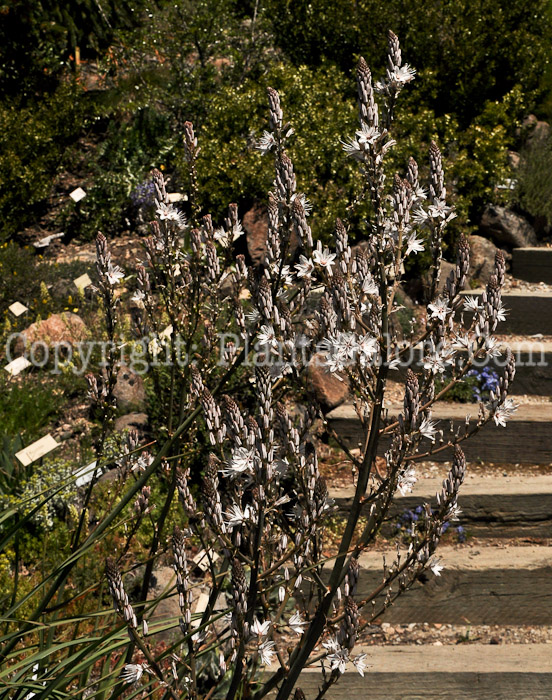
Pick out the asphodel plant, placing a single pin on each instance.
(279, 600)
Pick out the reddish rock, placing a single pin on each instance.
(482, 258)
(59, 329)
(255, 225)
(330, 391)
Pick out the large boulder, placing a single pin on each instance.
(482, 258)
(506, 227)
(58, 330)
(129, 390)
(255, 225)
(540, 133)
(446, 269)
(132, 421)
(329, 389)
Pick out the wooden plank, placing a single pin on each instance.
(462, 672)
(526, 439)
(514, 507)
(527, 312)
(532, 264)
(488, 586)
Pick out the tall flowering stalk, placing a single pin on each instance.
(262, 506)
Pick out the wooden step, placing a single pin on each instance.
(483, 585)
(452, 672)
(532, 264)
(533, 365)
(519, 506)
(527, 312)
(527, 439)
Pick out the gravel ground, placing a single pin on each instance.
(442, 634)
(512, 284)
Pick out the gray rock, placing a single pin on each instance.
(514, 159)
(133, 421)
(446, 269)
(539, 133)
(506, 227)
(129, 390)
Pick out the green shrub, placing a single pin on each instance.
(533, 191)
(33, 140)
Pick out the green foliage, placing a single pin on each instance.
(319, 108)
(38, 38)
(462, 392)
(27, 407)
(128, 147)
(533, 191)
(467, 52)
(45, 288)
(479, 67)
(28, 492)
(33, 140)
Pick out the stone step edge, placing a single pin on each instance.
(478, 558)
(520, 293)
(448, 659)
(539, 412)
(537, 485)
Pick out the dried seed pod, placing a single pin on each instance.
(275, 110)
(300, 224)
(411, 400)
(285, 178)
(118, 594)
(437, 176)
(368, 108)
(186, 498)
(159, 184)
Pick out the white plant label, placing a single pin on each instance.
(16, 366)
(82, 282)
(78, 194)
(17, 308)
(37, 450)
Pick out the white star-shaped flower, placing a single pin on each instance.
(427, 429)
(406, 481)
(305, 267)
(114, 274)
(435, 565)
(324, 258)
(414, 245)
(297, 623)
(267, 653)
(266, 142)
(260, 629)
(439, 309)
